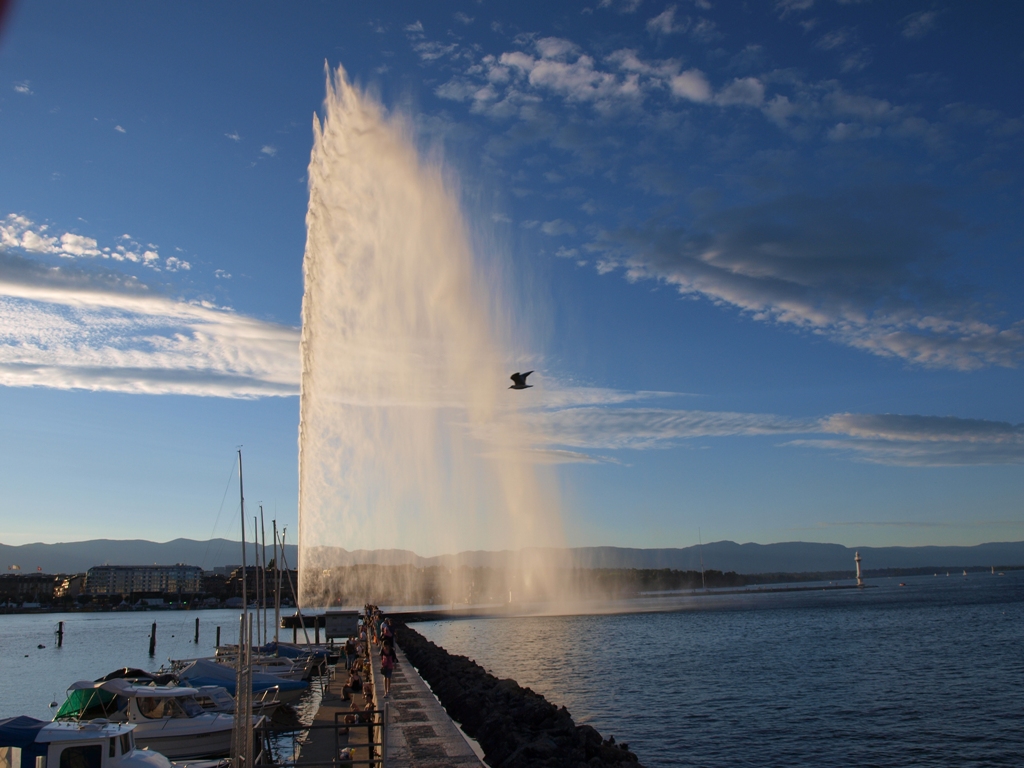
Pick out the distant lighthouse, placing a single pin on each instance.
(856, 559)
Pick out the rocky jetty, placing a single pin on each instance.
(516, 727)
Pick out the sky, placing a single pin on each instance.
(771, 254)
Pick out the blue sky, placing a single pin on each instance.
(771, 253)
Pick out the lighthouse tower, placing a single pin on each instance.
(856, 559)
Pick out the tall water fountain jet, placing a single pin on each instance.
(408, 435)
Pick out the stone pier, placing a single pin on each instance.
(420, 733)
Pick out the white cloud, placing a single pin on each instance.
(119, 129)
(68, 328)
(220, 274)
(78, 245)
(562, 69)
(853, 131)
(665, 23)
(234, 136)
(269, 150)
(557, 227)
(692, 85)
(919, 24)
(57, 331)
(786, 7)
(745, 91)
(431, 50)
(24, 87)
(173, 264)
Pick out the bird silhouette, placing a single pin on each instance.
(519, 380)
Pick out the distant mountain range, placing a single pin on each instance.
(786, 557)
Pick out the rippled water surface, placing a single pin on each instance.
(929, 674)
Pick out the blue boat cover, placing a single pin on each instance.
(21, 732)
(205, 672)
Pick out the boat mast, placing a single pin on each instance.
(263, 560)
(241, 498)
(277, 590)
(256, 564)
(241, 741)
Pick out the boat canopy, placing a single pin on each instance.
(87, 699)
(86, 704)
(120, 687)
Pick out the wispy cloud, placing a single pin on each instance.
(575, 421)
(119, 129)
(922, 440)
(644, 428)
(269, 150)
(665, 23)
(862, 269)
(557, 227)
(234, 136)
(24, 88)
(69, 319)
(63, 328)
(919, 24)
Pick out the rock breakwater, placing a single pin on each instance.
(516, 727)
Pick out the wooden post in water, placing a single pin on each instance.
(60, 634)
(152, 640)
(218, 638)
(316, 629)
(197, 631)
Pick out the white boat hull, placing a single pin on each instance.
(181, 744)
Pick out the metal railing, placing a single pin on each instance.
(376, 728)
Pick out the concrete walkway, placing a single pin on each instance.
(319, 746)
(420, 733)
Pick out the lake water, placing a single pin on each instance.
(98, 643)
(928, 674)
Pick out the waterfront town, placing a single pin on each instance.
(121, 587)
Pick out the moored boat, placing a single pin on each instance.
(201, 672)
(29, 743)
(168, 719)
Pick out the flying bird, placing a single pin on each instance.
(519, 380)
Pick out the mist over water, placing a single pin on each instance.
(408, 435)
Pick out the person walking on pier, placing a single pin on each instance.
(387, 666)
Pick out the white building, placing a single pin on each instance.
(128, 579)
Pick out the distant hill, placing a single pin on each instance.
(80, 556)
(786, 557)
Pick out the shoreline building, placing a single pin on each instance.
(129, 579)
